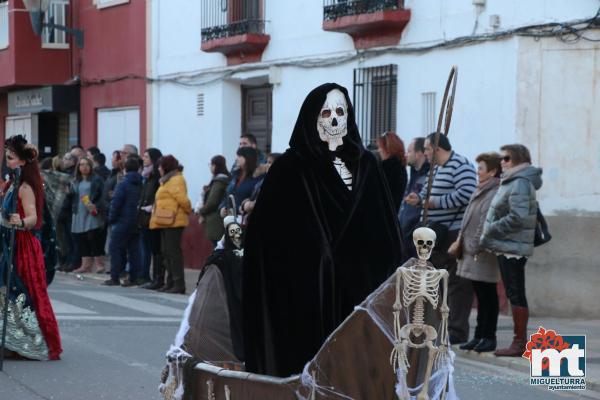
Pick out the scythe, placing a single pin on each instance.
(445, 117)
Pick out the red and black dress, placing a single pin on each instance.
(32, 330)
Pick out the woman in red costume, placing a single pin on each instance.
(32, 331)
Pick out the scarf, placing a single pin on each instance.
(147, 171)
(512, 171)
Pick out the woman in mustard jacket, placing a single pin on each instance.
(170, 214)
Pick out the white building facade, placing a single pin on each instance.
(513, 87)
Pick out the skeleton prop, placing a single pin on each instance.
(332, 125)
(417, 285)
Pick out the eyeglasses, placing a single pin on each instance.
(506, 158)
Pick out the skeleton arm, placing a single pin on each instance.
(445, 310)
(442, 356)
(398, 357)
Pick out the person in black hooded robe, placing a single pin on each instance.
(319, 241)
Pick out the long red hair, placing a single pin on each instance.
(393, 145)
(30, 172)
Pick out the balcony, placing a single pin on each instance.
(371, 23)
(26, 60)
(235, 28)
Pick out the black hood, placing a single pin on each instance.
(305, 138)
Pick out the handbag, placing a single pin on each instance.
(164, 216)
(458, 253)
(143, 219)
(542, 234)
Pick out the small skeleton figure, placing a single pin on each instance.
(234, 232)
(332, 125)
(416, 285)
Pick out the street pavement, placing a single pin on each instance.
(562, 326)
(476, 380)
(114, 340)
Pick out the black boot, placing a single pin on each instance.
(158, 274)
(485, 345)
(168, 285)
(152, 285)
(176, 289)
(470, 345)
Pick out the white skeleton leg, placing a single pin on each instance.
(423, 394)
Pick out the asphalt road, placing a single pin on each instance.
(114, 341)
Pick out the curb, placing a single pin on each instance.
(517, 364)
(190, 274)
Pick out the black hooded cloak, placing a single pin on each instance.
(313, 249)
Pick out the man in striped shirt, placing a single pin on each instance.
(454, 182)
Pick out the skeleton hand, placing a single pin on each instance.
(398, 358)
(442, 356)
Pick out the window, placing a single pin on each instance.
(226, 18)
(109, 3)
(56, 15)
(3, 24)
(375, 101)
(428, 113)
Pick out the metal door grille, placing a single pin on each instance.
(375, 92)
(428, 113)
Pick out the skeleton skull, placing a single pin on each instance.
(333, 119)
(424, 240)
(234, 231)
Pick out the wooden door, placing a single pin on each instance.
(257, 115)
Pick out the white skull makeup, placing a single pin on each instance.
(424, 240)
(234, 231)
(333, 119)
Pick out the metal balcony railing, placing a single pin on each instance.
(334, 9)
(3, 25)
(225, 18)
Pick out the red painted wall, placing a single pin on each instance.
(3, 114)
(25, 61)
(112, 63)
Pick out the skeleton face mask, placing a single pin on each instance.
(424, 240)
(333, 119)
(234, 231)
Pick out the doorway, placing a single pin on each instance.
(257, 114)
